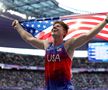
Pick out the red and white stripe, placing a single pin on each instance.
(80, 24)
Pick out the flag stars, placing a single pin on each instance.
(52, 22)
(36, 31)
(22, 24)
(27, 25)
(38, 26)
(40, 21)
(32, 25)
(31, 31)
(44, 26)
(46, 22)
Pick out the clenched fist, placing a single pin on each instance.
(15, 23)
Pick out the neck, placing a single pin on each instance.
(57, 41)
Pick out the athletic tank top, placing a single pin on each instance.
(57, 67)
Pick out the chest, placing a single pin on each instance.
(54, 54)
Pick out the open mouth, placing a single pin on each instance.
(54, 30)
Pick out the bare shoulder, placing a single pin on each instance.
(68, 47)
(68, 43)
(46, 44)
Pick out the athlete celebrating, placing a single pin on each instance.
(59, 53)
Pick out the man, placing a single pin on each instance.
(59, 53)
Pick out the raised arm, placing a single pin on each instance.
(27, 36)
(76, 42)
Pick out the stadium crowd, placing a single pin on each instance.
(31, 79)
(23, 79)
(85, 63)
(28, 60)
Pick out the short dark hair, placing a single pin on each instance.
(65, 26)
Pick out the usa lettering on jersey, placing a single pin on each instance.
(53, 58)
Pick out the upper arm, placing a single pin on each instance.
(40, 44)
(74, 43)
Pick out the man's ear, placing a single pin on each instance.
(64, 33)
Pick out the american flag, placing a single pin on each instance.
(78, 24)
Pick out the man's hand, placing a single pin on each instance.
(15, 23)
(106, 19)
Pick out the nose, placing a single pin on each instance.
(53, 28)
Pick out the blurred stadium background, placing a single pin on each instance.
(26, 72)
